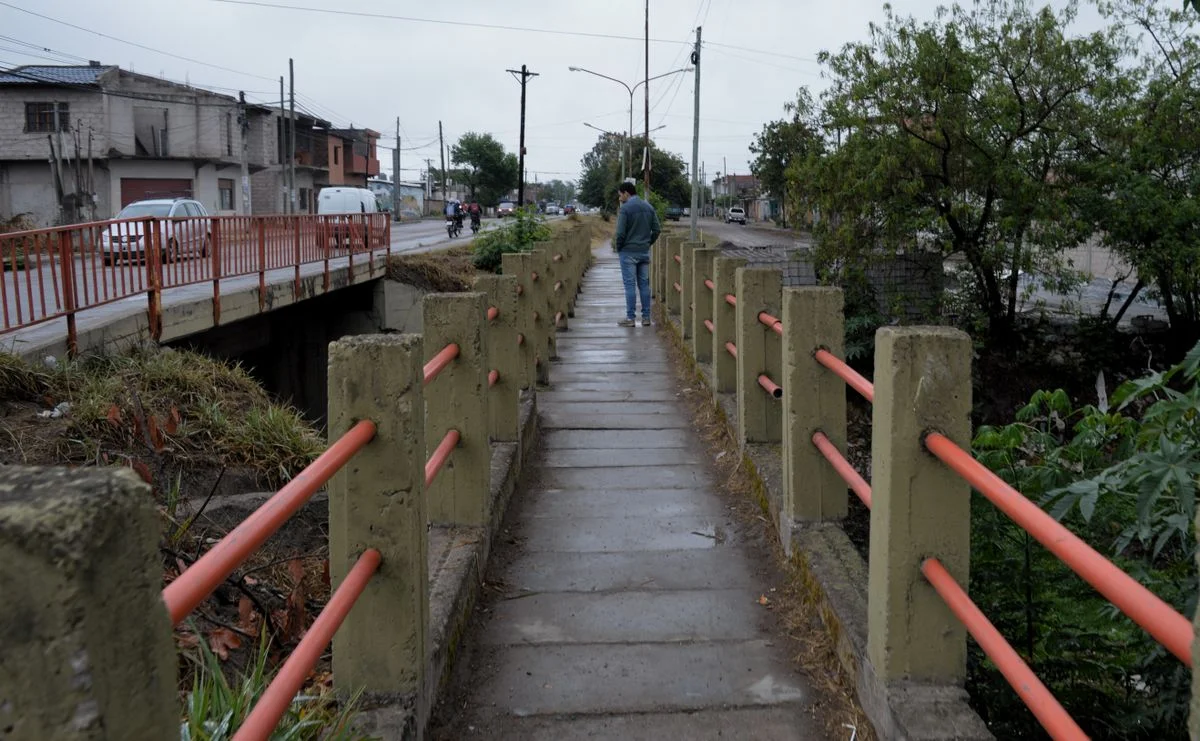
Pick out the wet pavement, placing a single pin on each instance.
(630, 606)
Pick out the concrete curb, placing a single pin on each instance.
(835, 579)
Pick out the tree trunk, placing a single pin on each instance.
(1014, 279)
(1137, 288)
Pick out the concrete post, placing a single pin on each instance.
(520, 267)
(687, 299)
(702, 310)
(814, 399)
(724, 323)
(543, 303)
(760, 350)
(504, 356)
(458, 400)
(920, 509)
(87, 650)
(560, 282)
(377, 501)
(657, 250)
(674, 276)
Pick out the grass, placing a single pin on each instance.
(215, 708)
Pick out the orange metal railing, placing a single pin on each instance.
(708, 324)
(678, 259)
(731, 348)
(852, 478)
(772, 388)
(709, 284)
(731, 299)
(493, 377)
(441, 454)
(678, 288)
(852, 378)
(440, 362)
(60, 272)
(771, 322)
(492, 313)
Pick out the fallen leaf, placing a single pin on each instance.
(764, 601)
(325, 574)
(294, 616)
(296, 569)
(173, 421)
(185, 641)
(143, 470)
(114, 415)
(222, 641)
(156, 436)
(250, 581)
(246, 614)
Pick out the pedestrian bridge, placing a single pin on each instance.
(627, 600)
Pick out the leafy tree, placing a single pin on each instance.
(490, 172)
(1145, 165)
(559, 191)
(782, 142)
(602, 174)
(955, 135)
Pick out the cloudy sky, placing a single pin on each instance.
(423, 63)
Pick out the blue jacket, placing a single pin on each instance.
(637, 226)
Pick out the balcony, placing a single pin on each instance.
(360, 165)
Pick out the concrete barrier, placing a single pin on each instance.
(724, 324)
(505, 356)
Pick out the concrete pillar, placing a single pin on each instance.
(724, 323)
(760, 350)
(920, 508)
(813, 399)
(520, 267)
(87, 651)
(674, 276)
(458, 399)
(543, 302)
(687, 300)
(504, 356)
(657, 251)
(560, 281)
(702, 305)
(378, 501)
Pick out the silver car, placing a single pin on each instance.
(185, 230)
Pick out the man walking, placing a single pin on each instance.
(637, 229)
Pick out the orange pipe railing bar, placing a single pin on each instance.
(852, 477)
(557, 286)
(492, 313)
(1020, 677)
(520, 290)
(731, 349)
(678, 259)
(260, 724)
(709, 326)
(493, 377)
(558, 317)
(1145, 608)
(772, 388)
(709, 284)
(440, 362)
(533, 276)
(440, 455)
(520, 339)
(771, 322)
(852, 378)
(678, 288)
(558, 257)
(731, 299)
(195, 584)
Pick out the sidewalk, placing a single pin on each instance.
(629, 608)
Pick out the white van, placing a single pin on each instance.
(345, 214)
(338, 200)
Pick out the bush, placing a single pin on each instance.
(526, 229)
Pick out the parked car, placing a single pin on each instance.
(506, 208)
(185, 230)
(737, 214)
(569, 209)
(552, 209)
(338, 206)
(674, 213)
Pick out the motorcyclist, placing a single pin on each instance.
(476, 213)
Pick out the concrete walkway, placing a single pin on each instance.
(629, 609)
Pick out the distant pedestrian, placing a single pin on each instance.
(637, 229)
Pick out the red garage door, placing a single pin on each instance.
(139, 189)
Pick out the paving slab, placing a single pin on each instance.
(740, 724)
(607, 395)
(565, 439)
(607, 503)
(551, 571)
(623, 457)
(615, 477)
(552, 418)
(607, 535)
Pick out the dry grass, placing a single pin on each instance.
(447, 271)
(812, 647)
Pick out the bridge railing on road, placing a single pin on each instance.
(779, 350)
(63, 271)
(413, 418)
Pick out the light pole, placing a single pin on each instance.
(622, 136)
(631, 90)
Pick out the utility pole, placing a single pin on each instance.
(396, 175)
(281, 142)
(428, 178)
(695, 210)
(442, 154)
(292, 138)
(244, 122)
(647, 158)
(725, 181)
(525, 74)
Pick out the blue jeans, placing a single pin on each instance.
(635, 274)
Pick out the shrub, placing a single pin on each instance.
(526, 229)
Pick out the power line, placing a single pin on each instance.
(164, 97)
(760, 51)
(134, 43)
(457, 24)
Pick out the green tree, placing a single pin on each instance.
(953, 136)
(783, 142)
(489, 172)
(1144, 167)
(602, 174)
(559, 191)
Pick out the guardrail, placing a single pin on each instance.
(60, 272)
(414, 416)
(756, 333)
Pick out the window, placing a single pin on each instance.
(225, 188)
(40, 116)
(228, 135)
(336, 151)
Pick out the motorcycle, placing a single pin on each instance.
(474, 224)
(453, 227)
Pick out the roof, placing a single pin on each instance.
(34, 74)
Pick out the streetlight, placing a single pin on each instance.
(629, 149)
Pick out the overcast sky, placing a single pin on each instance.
(366, 71)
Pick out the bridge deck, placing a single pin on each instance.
(629, 605)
